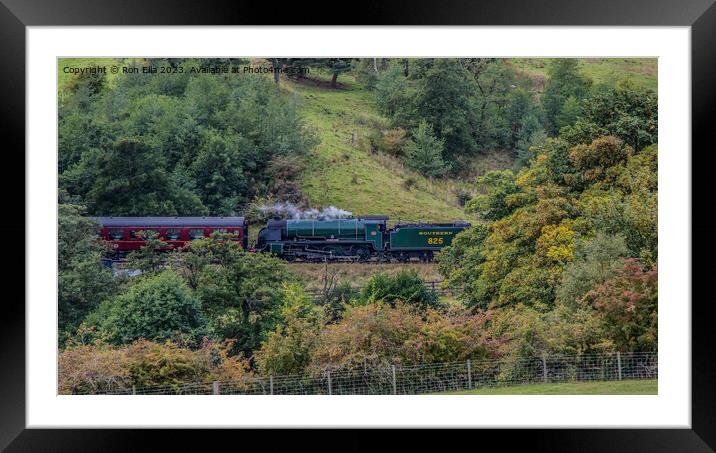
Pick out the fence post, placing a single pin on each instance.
(134, 390)
(215, 388)
(619, 365)
(395, 388)
(330, 390)
(271, 384)
(469, 375)
(544, 369)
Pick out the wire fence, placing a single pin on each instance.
(431, 285)
(428, 378)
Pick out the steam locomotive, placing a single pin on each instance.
(355, 239)
(359, 239)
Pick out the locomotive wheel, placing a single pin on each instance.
(363, 254)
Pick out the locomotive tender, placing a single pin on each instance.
(350, 239)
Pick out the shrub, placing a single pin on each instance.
(287, 350)
(378, 335)
(498, 186)
(92, 368)
(393, 141)
(595, 261)
(334, 302)
(406, 286)
(628, 305)
(96, 367)
(463, 197)
(409, 182)
(157, 307)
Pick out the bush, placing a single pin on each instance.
(628, 305)
(99, 367)
(157, 307)
(335, 301)
(406, 286)
(410, 182)
(393, 141)
(287, 350)
(378, 335)
(463, 197)
(92, 368)
(595, 261)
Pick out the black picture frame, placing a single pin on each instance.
(700, 15)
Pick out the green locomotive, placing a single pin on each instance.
(355, 239)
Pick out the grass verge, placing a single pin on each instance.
(627, 387)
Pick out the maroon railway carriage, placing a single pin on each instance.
(176, 231)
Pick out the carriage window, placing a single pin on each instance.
(173, 234)
(196, 233)
(133, 234)
(116, 234)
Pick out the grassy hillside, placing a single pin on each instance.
(641, 71)
(343, 172)
(629, 387)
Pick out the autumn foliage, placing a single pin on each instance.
(99, 367)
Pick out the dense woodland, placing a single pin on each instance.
(562, 258)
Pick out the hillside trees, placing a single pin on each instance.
(83, 282)
(472, 104)
(624, 112)
(545, 219)
(496, 203)
(443, 99)
(595, 261)
(336, 66)
(130, 179)
(564, 89)
(393, 92)
(184, 144)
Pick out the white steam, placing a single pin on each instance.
(288, 210)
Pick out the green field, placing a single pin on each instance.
(640, 71)
(628, 387)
